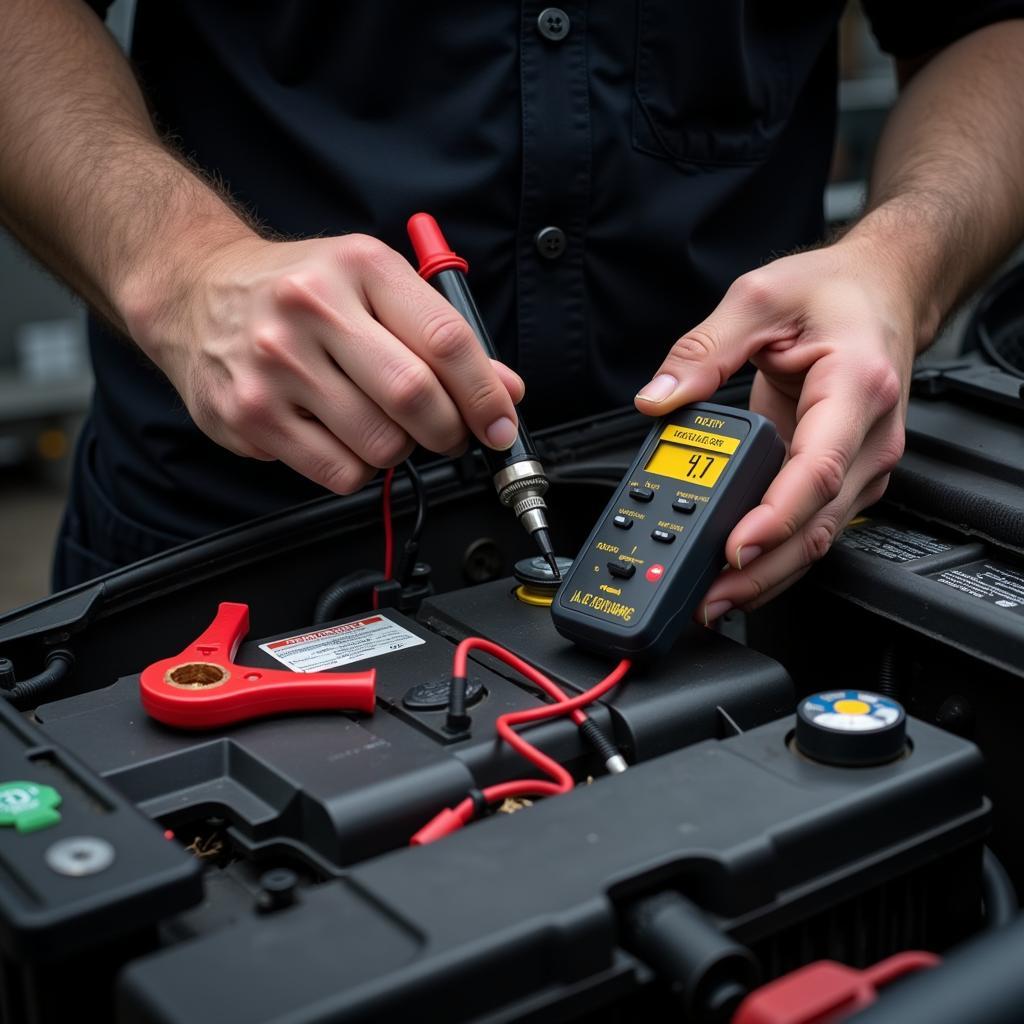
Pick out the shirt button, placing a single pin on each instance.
(553, 23)
(550, 242)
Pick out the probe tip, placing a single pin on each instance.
(547, 549)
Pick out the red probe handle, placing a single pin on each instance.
(203, 688)
(432, 251)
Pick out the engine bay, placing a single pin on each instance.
(263, 870)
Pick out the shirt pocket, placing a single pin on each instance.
(713, 81)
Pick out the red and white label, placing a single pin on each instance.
(655, 572)
(321, 650)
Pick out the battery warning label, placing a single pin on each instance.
(1001, 585)
(321, 650)
(893, 543)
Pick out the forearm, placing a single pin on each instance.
(85, 182)
(946, 200)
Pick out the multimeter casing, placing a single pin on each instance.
(633, 588)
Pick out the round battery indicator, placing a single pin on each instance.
(850, 727)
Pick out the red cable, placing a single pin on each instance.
(454, 818)
(389, 534)
(478, 643)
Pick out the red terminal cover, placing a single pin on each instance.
(431, 248)
(202, 687)
(826, 992)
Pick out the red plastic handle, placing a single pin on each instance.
(202, 687)
(431, 248)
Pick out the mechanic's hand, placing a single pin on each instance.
(834, 346)
(332, 355)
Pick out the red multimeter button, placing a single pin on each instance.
(655, 572)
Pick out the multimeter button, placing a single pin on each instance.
(623, 570)
(623, 522)
(683, 505)
(665, 536)
(641, 493)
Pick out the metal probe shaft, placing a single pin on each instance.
(518, 476)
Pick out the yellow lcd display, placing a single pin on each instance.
(687, 464)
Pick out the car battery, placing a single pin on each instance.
(340, 788)
(531, 916)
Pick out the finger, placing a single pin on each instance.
(393, 377)
(775, 405)
(701, 361)
(512, 381)
(831, 435)
(413, 311)
(353, 418)
(772, 572)
(714, 606)
(309, 448)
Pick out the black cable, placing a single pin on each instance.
(609, 753)
(361, 582)
(457, 719)
(354, 584)
(29, 691)
(997, 892)
(407, 562)
(421, 499)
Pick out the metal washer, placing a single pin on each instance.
(78, 856)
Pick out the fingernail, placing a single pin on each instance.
(659, 389)
(714, 610)
(501, 434)
(748, 551)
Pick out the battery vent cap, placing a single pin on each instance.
(851, 728)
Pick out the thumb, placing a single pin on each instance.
(704, 358)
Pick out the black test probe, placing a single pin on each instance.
(517, 473)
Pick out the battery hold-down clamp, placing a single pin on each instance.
(202, 687)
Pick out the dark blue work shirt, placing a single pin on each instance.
(607, 168)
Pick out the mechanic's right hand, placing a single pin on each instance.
(331, 354)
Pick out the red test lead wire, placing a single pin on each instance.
(453, 818)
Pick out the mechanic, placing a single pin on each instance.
(610, 171)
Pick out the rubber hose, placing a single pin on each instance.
(29, 691)
(356, 584)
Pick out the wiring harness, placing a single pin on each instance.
(559, 780)
(403, 585)
(478, 802)
(407, 563)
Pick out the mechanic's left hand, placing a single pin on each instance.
(833, 339)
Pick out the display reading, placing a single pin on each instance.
(687, 464)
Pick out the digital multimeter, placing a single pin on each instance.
(660, 543)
